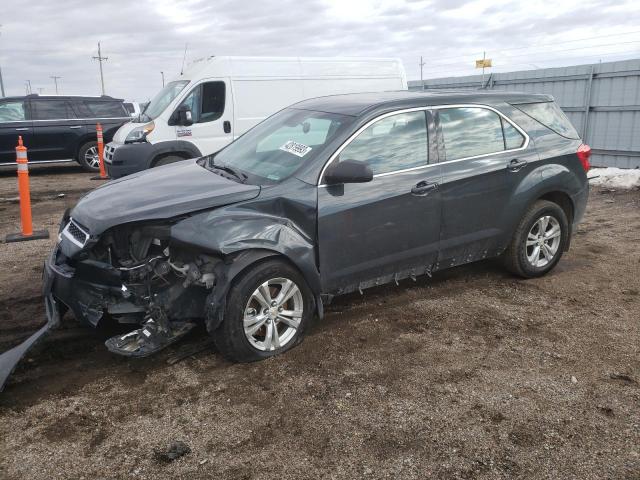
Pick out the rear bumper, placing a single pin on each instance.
(122, 159)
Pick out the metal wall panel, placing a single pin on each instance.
(604, 96)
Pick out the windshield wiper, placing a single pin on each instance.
(225, 168)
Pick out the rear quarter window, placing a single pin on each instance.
(102, 109)
(551, 116)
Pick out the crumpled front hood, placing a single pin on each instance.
(159, 193)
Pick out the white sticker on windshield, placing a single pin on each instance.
(298, 149)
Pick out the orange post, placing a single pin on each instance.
(23, 188)
(25, 199)
(103, 173)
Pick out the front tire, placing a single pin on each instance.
(539, 240)
(88, 157)
(267, 311)
(166, 160)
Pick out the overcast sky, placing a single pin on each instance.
(40, 38)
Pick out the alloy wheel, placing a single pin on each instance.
(91, 157)
(543, 241)
(273, 314)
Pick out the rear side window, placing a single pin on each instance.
(473, 131)
(550, 115)
(102, 109)
(393, 143)
(52, 110)
(12, 111)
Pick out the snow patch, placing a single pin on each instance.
(610, 177)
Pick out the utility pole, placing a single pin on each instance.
(162, 73)
(55, 79)
(1, 82)
(422, 64)
(28, 87)
(484, 57)
(100, 58)
(40, 90)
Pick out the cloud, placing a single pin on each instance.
(41, 38)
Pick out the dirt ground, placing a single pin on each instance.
(470, 374)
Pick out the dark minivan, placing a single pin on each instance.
(329, 196)
(58, 128)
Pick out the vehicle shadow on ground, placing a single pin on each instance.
(63, 363)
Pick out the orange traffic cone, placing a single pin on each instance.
(25, 200)
(103, 173)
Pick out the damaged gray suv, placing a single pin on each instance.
(329, 196)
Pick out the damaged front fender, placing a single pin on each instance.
(244, 237)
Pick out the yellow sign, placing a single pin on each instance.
(484, 63)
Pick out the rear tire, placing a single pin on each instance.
(88, 157)
(167, 160)
(269, 295)
(539, 240)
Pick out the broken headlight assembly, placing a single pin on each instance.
(150, 282)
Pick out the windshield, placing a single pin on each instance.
(277, 147)
(162, 100)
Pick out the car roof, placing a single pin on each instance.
(356, 104)
(63, 97)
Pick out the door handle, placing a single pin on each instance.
(423, 188)
(226, 126)
(516, 164)
(22, 129)
(76, 126)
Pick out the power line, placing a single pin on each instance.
(561, 59)
(100, 58)
(476, 54)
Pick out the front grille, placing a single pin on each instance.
(75, 233)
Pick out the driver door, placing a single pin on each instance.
(211, 109)
(372, 232)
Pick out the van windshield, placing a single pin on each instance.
(274, 149)
(162, 100)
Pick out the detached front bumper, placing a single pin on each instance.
(10, 359)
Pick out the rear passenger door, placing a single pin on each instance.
(56, 129)
(14, 122)
(211, 108)
(484, 158)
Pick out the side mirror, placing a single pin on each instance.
(185, 117)
(348, 171)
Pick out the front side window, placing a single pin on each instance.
(468, 132)
(12, 111)
(206, 102)
(51, 110)
(274, 149)
(397, 142)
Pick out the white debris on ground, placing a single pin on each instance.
(610, 177)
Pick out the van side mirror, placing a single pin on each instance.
(348, 171)
(185, 117)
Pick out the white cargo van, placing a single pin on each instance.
(219, 98)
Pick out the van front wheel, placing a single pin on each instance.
(167, 160)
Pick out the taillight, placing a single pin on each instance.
(584, 153)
